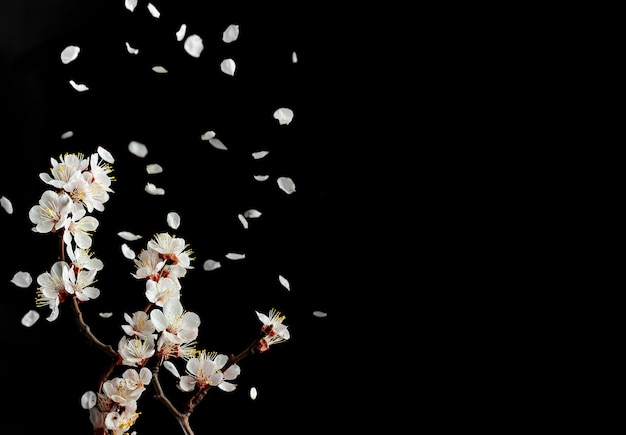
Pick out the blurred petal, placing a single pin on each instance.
(260, 154)
(171, 368)
(294, 57)
(193, 45)
(78, 87)
(6, 205)
(217, 143)
(286, 184)
(153, 190)
(253, 393)
(22, 279)
(231, 33)
(30, 318)
(130, 4)
(180, 34)
(69, 53)
(284, 282)
(261, 177)
(173, 219)
(319, 314)
(235, 256)
(153, 10)
(130, 49)
(106, 155)
(252, 213)
(211, 265)
(208, 135)
(159, 69)
(154, 168)
(283, 115)
(67, 134)
(128, 252)
(243, 221)
(126, 235)
(228, 67)
(105, 315)
(138, 149)
(88, 400)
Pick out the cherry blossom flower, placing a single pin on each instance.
(274, 329)
(161, 291)
(148, 265)
(135, 351)
(174, 251)
(80, 284)
(175, 325)
(52, 288)
(137, 379)
(52, 213)
(120, 422)
(139, 325)
(68, 167)
(206, 369)
(79, 230)
(121, 391)
(83, 258)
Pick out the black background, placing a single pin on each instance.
(305, 236)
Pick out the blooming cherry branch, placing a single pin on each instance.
(162, 332)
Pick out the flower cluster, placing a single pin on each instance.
(156, 336)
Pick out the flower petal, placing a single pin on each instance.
(22, 279)
(284, 282)
(211, 265)
(153, 190)
(127, 235)
(180, 34)
(319, 313)
(235, 256)
(228, 67)
(231, 33)
(253, 393)
(217, 143)
(6, 205)
(286, 184)
(30, 318)
(154, 168)
(283, 115)
(193, 45)
(88, 400)
(79, 86)
(173, 220)
(153, 10)
(260, 154)
(128, 252)
(106, 155)
(138, 149)
(69, 54)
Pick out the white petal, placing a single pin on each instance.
(260, 154)
(243, 220)
(261, 177)
(6, 205)
(235, 256)
(319, 314)
(211, 265)
(181, 32)
(159, 69)
(79, 87)
(153, 190)
(286, 184)
(294, 57)
(217, 143)
(130, 49)
(171, 368)
(193, 45)
(154, 168)
(30, 318)
(283, 115)
(208, 135)
(130, 4)
(128, 252)
(173, 219)
(153, 11)
(105, 315)
(106, 155)
(284, 282)
(228, 67)
(231, 33)
(127, 235)
(137, 148)
(252, 213)
(67, 134)
(22, 279)
(88, 400)
(253, 393)
(69, 53)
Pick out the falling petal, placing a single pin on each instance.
(181, 32)
(294, 57)
(243, 220)
(127, 235)
(138, 149)
(171, 368)
(211, 265)
(69, 53)
(159, 69)
(235, 256)
(22, 279)
(320, 314)
(253, 393)
(106, 155)
(286, 184)
(105, 315)
(283, 115)
(284, 282)
(260, 154)
(67, 134)
(130, 49)
(261, 177)
(30, 318)
(153, 11)
(6, 205)
(128, 252)
(217, 143)
(252, 213)
(130, 4)
(89, 399)
(231, 33)
(78, 87)
(173, 220)
(228, 67)
(208, 135)
(193, 45)
(154, 168)
(153, 190)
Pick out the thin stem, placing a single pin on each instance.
(86, 331)
(182, 418)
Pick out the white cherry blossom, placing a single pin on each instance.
(176, 325)
(206, 369)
